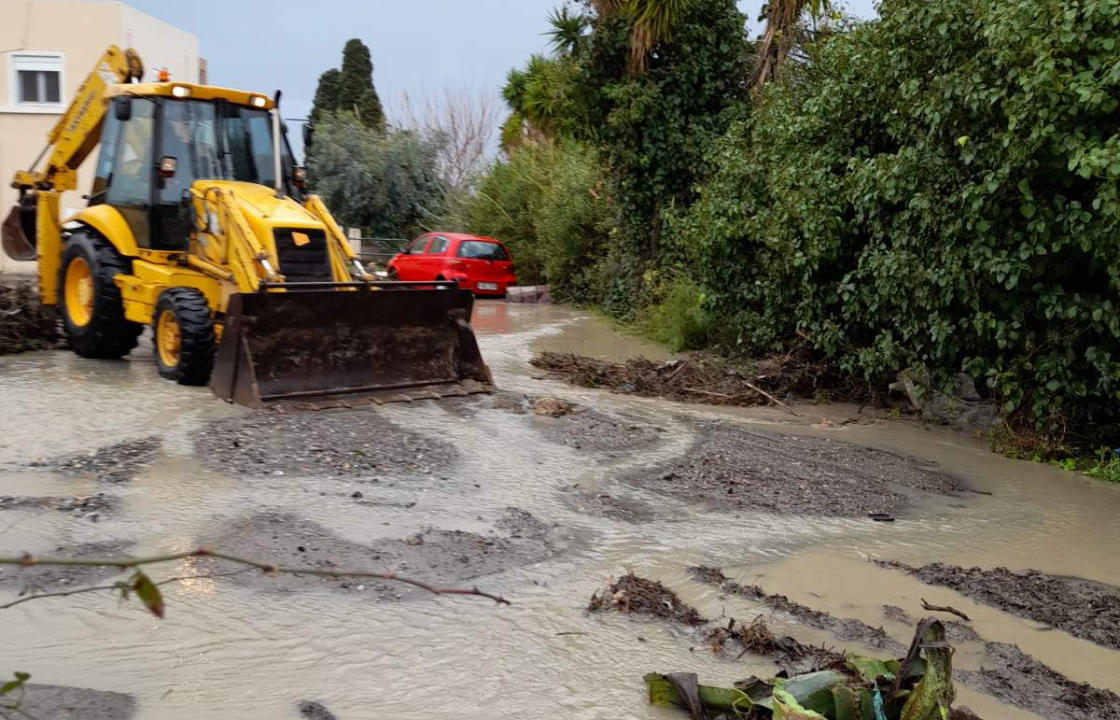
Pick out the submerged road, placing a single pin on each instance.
(483, 491)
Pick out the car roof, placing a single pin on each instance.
(465, 236)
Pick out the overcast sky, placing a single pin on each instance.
(418, 46)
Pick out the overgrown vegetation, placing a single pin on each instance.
(935, 189)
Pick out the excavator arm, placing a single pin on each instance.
(33, 229)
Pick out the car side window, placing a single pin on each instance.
(439, 245)
(419, 245)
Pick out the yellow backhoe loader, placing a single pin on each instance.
(198, 225)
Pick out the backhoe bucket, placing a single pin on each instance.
(332, 347)
(17, 234)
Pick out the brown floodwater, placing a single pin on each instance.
(229, 650)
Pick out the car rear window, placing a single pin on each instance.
(482, 250)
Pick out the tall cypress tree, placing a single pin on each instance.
(326, 94)
(350, 88)
(355, 86)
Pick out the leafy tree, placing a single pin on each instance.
(940, 189)
(385, 183)
(351, 88)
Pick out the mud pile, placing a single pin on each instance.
(92, 507)
(115, 463)
(584, 429)
(345, 443)
(432, 554)
(1084, 608)
(54, 702)
(731, 468)
(25, 324)
(601, 504)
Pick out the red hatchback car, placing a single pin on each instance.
(477, 263)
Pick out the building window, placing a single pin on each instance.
(37, 78)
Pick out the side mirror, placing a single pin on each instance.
(308, 131)
(167, 165)
(122, 108)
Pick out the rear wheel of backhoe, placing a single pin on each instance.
(90, 301)
(183, 336)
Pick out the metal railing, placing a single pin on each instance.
(380, 250)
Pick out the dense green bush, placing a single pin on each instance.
(386, 183)
(937, 188)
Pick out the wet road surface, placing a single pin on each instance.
(229, 649)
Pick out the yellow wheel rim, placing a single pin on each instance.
(167, 338)
(78, 292)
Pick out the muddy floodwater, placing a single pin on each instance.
(542, 508)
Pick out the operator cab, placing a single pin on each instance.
(155, 146)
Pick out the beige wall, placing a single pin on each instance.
(80, 30)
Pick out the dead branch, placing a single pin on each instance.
(767, 395)
(28, 560)
(98, 588)
(945, 608)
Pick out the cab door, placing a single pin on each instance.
(132, 175)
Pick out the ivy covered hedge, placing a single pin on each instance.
(937, 188)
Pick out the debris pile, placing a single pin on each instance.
(705, 379)
(756, 638)
(634, 594)
(25, 324)
(919, 685)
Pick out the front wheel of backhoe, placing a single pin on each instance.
(183, 336)
(90, 301)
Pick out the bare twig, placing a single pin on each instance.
(97, 588)
(945, 608)
(268, 568)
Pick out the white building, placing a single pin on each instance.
(47, 47)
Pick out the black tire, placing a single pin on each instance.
(197, 342)
(105, 333)
(393, 274)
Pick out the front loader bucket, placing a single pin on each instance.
(18, 232)
(331, 348)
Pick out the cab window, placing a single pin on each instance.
(133, 167)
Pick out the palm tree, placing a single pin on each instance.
(651, 22)
(783, 18)
(568, 30)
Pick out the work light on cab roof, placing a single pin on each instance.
(198, 225)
